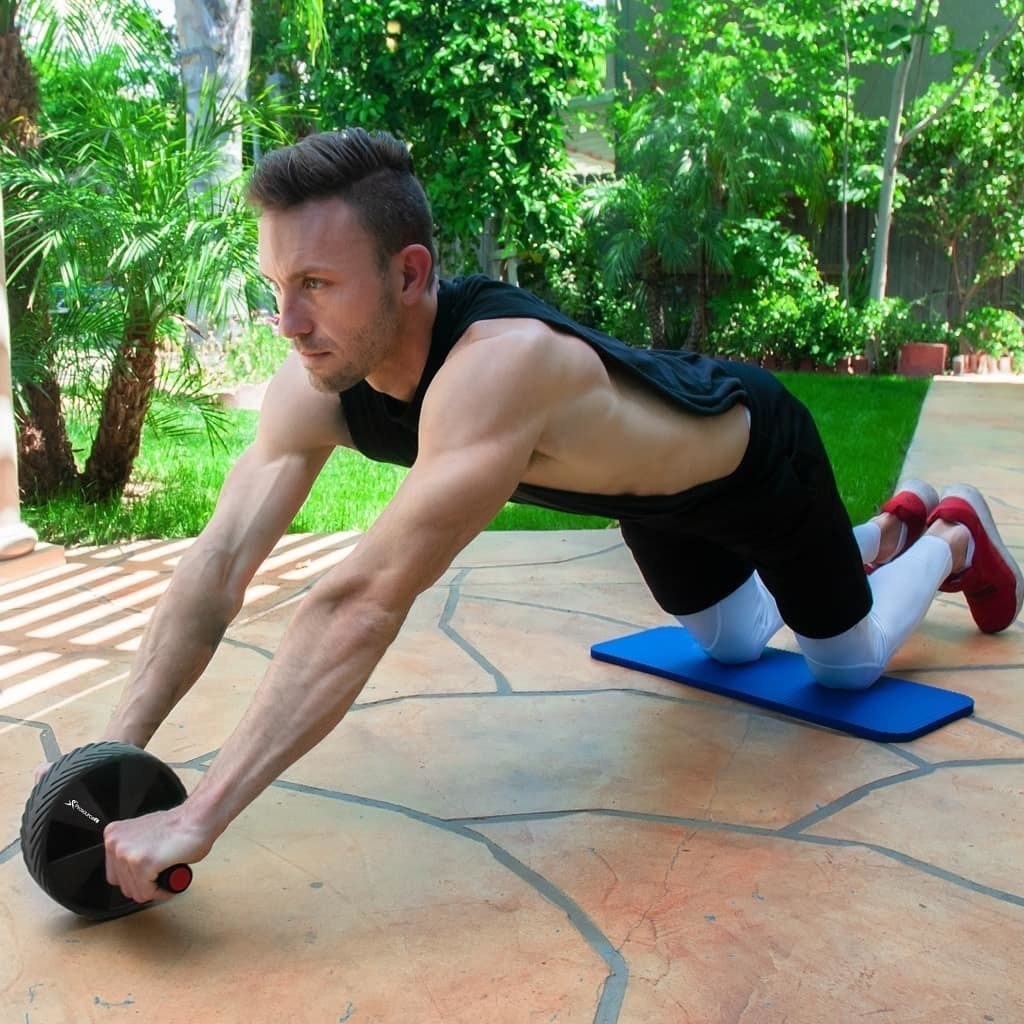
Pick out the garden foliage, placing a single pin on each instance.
(737, 131)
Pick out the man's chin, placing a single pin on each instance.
(330, 385)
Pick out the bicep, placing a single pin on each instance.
(469, 463)
(448, 498)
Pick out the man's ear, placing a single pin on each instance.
(417, 267)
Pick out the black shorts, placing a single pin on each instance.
(779, 513)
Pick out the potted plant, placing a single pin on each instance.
(993, 339)
(924, 348)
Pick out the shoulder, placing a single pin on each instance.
(296, 417)
(509, 368)
(524, 345)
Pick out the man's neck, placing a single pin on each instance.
(400, 376)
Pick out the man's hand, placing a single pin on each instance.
(138, 849)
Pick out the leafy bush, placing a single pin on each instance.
(765, 250)
(996, 332)
(476, 87)
(893, 323)
(789, 328)
(572, 281)
(788, 314)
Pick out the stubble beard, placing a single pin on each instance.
(368, 344)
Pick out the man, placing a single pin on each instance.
(712, 470)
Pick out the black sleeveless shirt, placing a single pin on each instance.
(387, 430)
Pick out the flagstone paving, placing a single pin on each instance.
(504, 831)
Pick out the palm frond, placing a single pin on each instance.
(179, 396)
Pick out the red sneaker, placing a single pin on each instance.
(912, 504)
(993, 583)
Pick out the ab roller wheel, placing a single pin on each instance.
(62, 827)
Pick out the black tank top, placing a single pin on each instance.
(387, 430)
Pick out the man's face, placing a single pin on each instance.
(335, 303)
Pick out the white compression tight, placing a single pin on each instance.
(737, 628)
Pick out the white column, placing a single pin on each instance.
(16, 539)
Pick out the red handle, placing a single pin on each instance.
(177, 878)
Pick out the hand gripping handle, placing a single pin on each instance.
(177, 878)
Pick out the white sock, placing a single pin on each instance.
(869, 539)
(901, 541)
(969, 560)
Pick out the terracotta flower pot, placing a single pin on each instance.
(922, 359)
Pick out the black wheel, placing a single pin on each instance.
(62, 827)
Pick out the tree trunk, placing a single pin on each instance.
(119, 433)
(844, 203)
(46, 462)
(894, 143)
(215, 37)
(696, 339)
(654, 301)
(19, 90)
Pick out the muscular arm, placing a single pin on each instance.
(470, 460)
(260, 497)
(477, 436)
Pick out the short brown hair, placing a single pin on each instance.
(371, 170)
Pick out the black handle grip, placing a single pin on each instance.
(177, 878)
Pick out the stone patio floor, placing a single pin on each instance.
(504, 831)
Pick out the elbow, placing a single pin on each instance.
(360, 606)
(378, 626)
(207, 579)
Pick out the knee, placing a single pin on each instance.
(735, 630)
(854, 660)
(735, 646)
(845, 677)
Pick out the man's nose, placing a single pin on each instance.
(292, 320)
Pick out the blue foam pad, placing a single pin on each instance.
(892, 710)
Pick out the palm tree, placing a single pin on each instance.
(106, 212)
(692, 169)
(648, 239)
(19, 89)
(126, 210)
(46, 461)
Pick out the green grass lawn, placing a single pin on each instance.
(866, 423)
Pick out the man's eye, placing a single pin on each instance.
(311, 283)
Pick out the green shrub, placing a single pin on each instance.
(778, 307)
(771, 324)
(572, 281)
(893, 323)
(996, 332)
(814, 324)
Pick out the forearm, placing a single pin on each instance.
(186, 628)
(329, 652)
